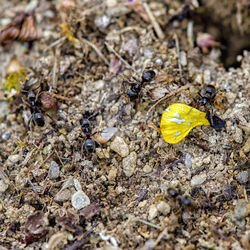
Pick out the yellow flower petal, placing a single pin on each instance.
(178, 120)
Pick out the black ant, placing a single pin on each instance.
(134, 91)
(89, 144)
(36, 116)
(207, 95)
(184, 200)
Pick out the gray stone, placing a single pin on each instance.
(3, 109)
(87, 164)
(5, 135)
(243, 177)
(80, 200)
(54, 170)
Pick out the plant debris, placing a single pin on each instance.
(83, 86)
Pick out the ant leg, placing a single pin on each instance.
(31, 120)
(82, 150)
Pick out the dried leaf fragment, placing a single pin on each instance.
(22, 28)
(35, 227)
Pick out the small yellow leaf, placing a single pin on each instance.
(178, 120)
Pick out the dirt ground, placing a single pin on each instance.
(98, 174)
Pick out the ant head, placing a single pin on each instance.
(39, 119)
(148, 75)
(31, 96)
(85, 123)
(205, 101)
(208, 91)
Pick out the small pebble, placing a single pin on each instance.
(108, 133)
(87, 164)
(147, 169)
(129, 164)
(198, 179)
(14, 158)
(207, 76)
(3, 109)
(243, 177)
(159, 61)
(241, 210)
(3, 186)
(119, 146)
(77, 157)
(98, 85)
(183, 58)
(188, 162)
(63, 195)
(238, 136)
(163, 208)
(54, 170)
(152, 213)
(102, 22)
(246, 147)
(148, 53)
(80, 200)
(5, 135)
(112, 174)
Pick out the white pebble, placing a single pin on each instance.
(80, 200)
(152, 213)
(198, 179)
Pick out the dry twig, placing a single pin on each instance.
(156, 26)
(121, 59)
(169, 95)
(178, 55)
(99, 53)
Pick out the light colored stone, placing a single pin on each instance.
(129, 164)
(109, 132)
(14, 158)
(79, 200)
(163, 208)
(63, 195)
(152, 212)
(238, 135)
(243, 177)
(3, 186)
(198, 179)
(246, 147)
(119, 146)
(147, 169)
(54, 170)
(112, 174)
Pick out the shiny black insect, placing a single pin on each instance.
(215, 122)
(36, 115)
(89, 144)
(184, 200)
(207, 94)
(134, 91)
